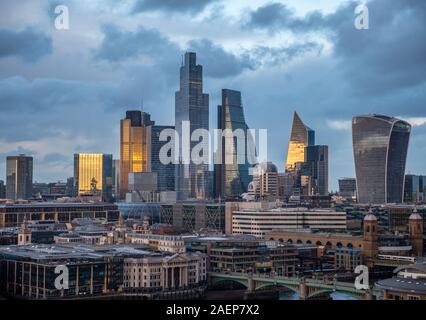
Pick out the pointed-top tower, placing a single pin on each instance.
(301, 136)
(24, 235)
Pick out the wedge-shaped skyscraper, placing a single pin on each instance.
(301, 137)
(380, 145)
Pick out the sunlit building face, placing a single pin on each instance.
(93, 175)
(135, 137)
(301, 136)
(380, 146)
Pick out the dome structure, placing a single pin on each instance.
(370, 216)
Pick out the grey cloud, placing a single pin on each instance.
(28, 44)
(217, 62)
(120, 45)
(377, 61)
(181, 6)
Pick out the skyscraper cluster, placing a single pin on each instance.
(380, 145)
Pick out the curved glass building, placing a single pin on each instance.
(380, 145)
(232, 177)
(301, 136)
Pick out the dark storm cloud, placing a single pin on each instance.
(29, 45)
(119, 45)
(182, 6)
(218, 62)
(377, 61)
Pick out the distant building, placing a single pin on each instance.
(93, 175)
(165, 172)
(301, 137)
(2, 190)
(316, 160)
(258, 222)
(13, 215)
(191, 107)
(347, 188)
(265, 182)
(380, 145)
(191, 217)
(414, 188)
(19, 177)
(232, 170)
(135, 140)
(116, 178)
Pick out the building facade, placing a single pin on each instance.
(259, 222)
(232, 170)
(265, 182)
(19, 177)
(93, 175)
(135, 139)
(380, 145)
(316, 160)
(13, 215)
(347, 188)
(414, 188)
(191, 113)
(301, 137)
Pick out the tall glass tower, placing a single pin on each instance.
(232, 178)
(380, 145)
(135, 139)
(301, 137)
(191, 105)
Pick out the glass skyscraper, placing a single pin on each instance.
(134, 147)
(380, 145)
(93, 175)
(165, 172)
(232, 178)
(316, 159)
(301, 137)
(192, 105)
(19, 177)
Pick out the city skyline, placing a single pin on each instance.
(104, 82)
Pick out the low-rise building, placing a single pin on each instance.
(158, 242)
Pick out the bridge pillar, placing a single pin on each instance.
(250, 283)
(303, 290)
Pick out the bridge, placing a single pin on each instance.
(306, 288)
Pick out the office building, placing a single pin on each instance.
(232, 167)
(414, 188)
(135, 139)
(192, 217)
(2, 190)
(93, 175)
(265, 182)
(19, 177)
(347, 188)
(115, 178)
(191, 105)
(28, 272)
(301, 137)
(165, 172)
(380, 145)
(316, 160)
(13, 215)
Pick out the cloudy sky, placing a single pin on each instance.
(64, 91)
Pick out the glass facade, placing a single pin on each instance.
(414, 188)
(301, 136)
(135, 138)
(192, 105)
(19, 177)
(380, 145)
(165, 172)
(231, 177)
(316, 159)
(93, 174)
